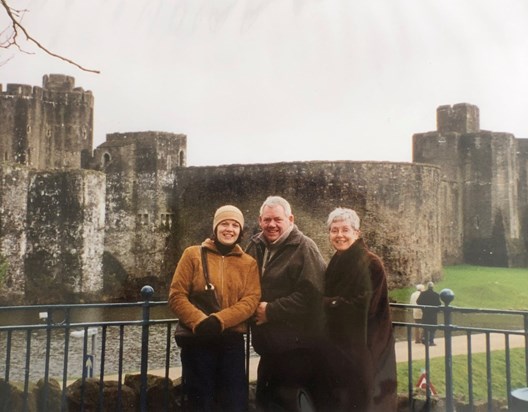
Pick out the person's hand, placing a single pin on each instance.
(334, 302)
(260, 314)
(209, 326)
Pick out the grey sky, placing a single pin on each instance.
(254, 81)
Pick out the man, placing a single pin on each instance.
(288, 320)
(417, 313)
(430, 298)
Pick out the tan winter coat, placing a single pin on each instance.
(234, 276)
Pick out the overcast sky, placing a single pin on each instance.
(257, 81)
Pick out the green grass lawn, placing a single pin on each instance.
(460, 374)
(479, 287)
(476, 287)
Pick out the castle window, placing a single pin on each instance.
(166, 220)
(169, 162)
(106, 159)
(181, 161)
(142, 218)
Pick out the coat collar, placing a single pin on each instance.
(210, 245)
(294, 238)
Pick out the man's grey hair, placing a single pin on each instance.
(342, 214)
(273, 201)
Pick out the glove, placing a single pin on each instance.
(334, 302)
(209, 326)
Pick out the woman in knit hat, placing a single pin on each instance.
(213, 358)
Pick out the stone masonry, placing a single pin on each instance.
(78, 223)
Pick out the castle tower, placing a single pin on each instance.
(460, 118)
(139, 170)
(48, 127)
(480, 180)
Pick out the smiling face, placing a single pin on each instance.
(274, 222)
(342, 235)
(228, 231)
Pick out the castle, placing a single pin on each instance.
(78, 223)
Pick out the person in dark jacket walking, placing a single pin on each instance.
(360, 353)
(430, 298)
(288, 320)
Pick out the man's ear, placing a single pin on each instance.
(291, 219)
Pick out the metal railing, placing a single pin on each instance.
(513, 324)
(46, 342)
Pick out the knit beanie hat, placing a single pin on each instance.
(228, 212)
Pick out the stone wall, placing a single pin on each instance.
(65, 235)
(397, 203)
(13, 240)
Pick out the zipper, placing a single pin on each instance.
(222, 280)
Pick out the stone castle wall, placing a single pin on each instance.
(70, 232)
(14, 180)
(396, 201)
(65, 235)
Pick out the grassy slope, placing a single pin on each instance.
(480, 287)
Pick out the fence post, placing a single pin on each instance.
(447, 297)
(146, 294)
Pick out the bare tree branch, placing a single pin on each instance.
(12, 39)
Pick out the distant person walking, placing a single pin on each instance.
(429, 298)
(417, 313)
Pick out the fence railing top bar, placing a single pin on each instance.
(465, 310)
(83, 325)
(464, 328)
(137, 304)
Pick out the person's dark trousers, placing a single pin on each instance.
(279, 373)
(214, 374)
(429, 335)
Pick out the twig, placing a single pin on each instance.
(12, 40)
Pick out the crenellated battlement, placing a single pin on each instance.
(37, 130)
(460, 118)
(58, 82)
(55, 87)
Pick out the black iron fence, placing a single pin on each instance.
(104, 342)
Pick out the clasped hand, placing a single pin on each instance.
(209, 326)
(260, 314)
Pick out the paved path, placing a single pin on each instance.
(459, 347)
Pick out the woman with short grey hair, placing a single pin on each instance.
(359, 325)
